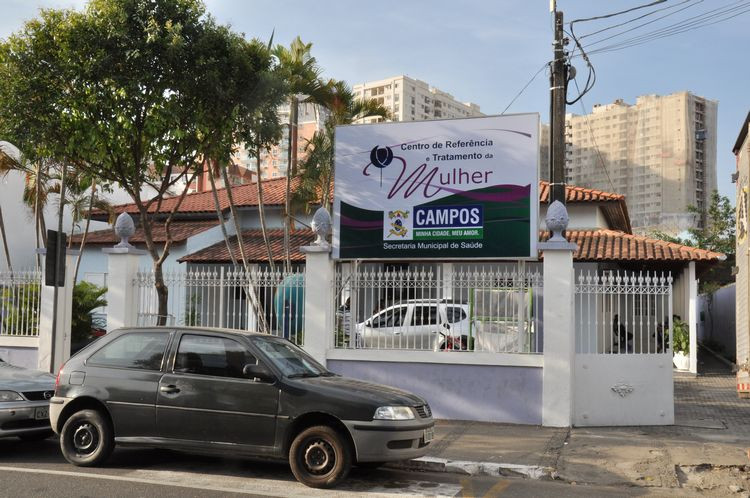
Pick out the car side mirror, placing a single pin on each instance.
(257, 371)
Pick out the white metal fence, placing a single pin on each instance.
(470, 308)
(19, 302)
(228, 297)
(620, 312)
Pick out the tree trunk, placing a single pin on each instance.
(37, 224)
(259, 311)
(220, 216)
(5, 241)
(262, 213)
(291, 170)
(85, 232)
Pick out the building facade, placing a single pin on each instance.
(659, 152)
(742, 312)
(410, 99)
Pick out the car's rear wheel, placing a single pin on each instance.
(35, 436)
(87, 438)
(320, 457)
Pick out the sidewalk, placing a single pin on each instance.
(706, 450)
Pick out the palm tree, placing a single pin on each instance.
(301, 72)
(10, 160)
(81, 205)
(317, 168)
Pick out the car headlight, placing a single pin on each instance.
(10, 396)
(394, 413)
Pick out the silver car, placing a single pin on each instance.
(24, 402)
(425, 324)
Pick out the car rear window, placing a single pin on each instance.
(141, 350)
(454, 314)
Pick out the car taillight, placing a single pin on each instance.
(59, 372)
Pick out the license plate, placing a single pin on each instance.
(429, 435)
(41, 413)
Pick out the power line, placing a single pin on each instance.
(723, 13)
(591, 134)
(525, 87)
(656, 2)
(642, 17)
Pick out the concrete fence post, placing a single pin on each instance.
(50, 356)
(319, 305)
(558, 315)
(122, 297)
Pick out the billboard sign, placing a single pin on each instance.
(443, 189)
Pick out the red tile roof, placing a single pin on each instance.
(593, 245)
(613, 205)
(613, 245)
(203, 202)
(255, 249)
(580, 194)
(180, 231)
(274, 190)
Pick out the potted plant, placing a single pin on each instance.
(681, 344)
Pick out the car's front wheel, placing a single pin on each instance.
(320, 457)
(87, 438)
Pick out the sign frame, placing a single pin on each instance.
(384, 155)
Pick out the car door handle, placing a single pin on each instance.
(170, 389)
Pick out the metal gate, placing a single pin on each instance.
(623, 361)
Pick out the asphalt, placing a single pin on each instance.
(706, 451)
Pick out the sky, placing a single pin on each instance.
(486, 51)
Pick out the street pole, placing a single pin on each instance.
(558, 85)
(59, 261)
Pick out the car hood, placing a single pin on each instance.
(368, 392)
(23, 379)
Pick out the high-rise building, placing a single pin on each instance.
(274, 160)
(409, 99)
(659, 152)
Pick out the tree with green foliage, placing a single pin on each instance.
(127, 92)
(716, 233)
(87, 297)
(299, 69)
(316, 171)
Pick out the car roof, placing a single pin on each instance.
(430, 301)
(168, 328)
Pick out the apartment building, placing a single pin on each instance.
(410, 99)
(274, 160)
(660, 152)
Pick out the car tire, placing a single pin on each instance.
(35, 436)
(87, 438)
(320, 457)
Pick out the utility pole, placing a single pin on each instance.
(558, 84)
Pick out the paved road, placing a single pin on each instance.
(38, 470)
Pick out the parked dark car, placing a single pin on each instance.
(24, 402)
(234, 394)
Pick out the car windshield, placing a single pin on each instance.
(290, 359)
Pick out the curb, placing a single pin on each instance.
(466, 467)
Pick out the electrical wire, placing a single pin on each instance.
(590, 79)
(591, 134)
(723, 13)
(656, 2)
(546, 64)
(644, 16)
(685, 24)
